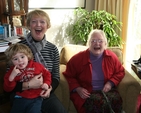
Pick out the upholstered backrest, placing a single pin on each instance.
(69, 50)
(118, 52)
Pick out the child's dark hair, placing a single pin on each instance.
(18, 48)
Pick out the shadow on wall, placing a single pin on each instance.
(57, 33)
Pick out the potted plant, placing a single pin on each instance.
(85, 21)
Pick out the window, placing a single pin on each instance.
(133, 43)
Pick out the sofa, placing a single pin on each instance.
(128, 88)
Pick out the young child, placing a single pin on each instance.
(22, 69)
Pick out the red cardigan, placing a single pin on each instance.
(79, 73)
(33, 69)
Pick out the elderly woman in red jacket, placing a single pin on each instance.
(93, 75)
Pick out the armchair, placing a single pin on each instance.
(128, 88)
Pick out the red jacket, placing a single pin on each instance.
(33, 69)
(79, 73)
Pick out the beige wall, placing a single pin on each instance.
(59, 19)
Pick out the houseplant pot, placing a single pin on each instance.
(85, 21)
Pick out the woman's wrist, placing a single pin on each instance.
(50, 87)
(26, 85)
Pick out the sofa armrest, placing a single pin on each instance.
(62, 91)
(129, 90)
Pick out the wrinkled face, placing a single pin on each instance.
(97, 44)
(20, 60)
(38, 27)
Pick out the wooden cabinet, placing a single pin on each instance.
(5, 105)
(11, 8)
(2, 70)
(7, 12)
(3, 17)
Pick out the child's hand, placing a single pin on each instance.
(14, 73)
(46, 93)
(44, 86)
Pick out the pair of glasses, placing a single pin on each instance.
(97, 41)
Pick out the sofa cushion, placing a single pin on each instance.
(63, 88)
(118, 52)
(68, 51)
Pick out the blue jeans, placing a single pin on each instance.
(24, 105)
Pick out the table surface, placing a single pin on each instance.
(137, 69)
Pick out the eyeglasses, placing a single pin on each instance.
(97, 41)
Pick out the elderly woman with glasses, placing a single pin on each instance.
(93, 75)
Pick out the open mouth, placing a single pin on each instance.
(96, 48)
(21, 65)
(38, 31)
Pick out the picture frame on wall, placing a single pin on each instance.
(57, 4)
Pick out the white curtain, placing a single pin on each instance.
(133, 44)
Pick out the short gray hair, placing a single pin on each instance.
(94, 31)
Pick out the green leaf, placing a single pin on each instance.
(86, 21)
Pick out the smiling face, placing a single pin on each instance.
(97, 42)
(38, 22)
(38, 27)
(20, 60)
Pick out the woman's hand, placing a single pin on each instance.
(44, 86)
(107, 87)
(34, 83)
(83, 92)
(46, 93)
